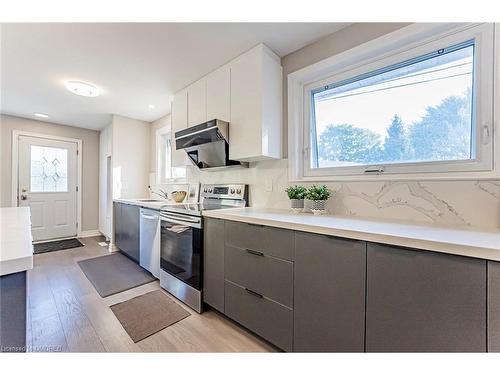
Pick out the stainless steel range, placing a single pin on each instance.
(181, 254)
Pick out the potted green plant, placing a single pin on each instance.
(318, 195)
(296, 195)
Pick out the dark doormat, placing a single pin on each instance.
(46, 247)
(111, 274)
(145, 315)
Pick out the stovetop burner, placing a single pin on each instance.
(213, 197)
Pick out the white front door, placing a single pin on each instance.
(48, 185)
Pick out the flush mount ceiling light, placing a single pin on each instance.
(41, 115)
(151, 106)
(82, 89)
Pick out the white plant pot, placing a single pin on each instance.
(318, 207)
(297, 205)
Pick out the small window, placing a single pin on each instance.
(49, 169)
(420, 110)
(165, 171)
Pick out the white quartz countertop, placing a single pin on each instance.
(467, 241)
(16, 247)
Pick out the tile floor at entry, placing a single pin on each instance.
(65, 313)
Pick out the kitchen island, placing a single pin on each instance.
(16, 257)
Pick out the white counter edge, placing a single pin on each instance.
(14, 263)
(11, 266)
(447, 247)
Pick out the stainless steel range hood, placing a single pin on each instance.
(207, 145)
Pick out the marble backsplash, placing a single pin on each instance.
(475, 203)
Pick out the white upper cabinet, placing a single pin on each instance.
(218, 94)
(197, 102)
(246, 92)
(256, 105)
(179, 122)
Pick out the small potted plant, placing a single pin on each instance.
(296, 195)
(318, 195)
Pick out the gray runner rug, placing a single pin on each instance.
(111, 274)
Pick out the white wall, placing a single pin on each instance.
(131, 155)
(105, 181)
(164, 121)
(90, 161)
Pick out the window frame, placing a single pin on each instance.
(169, 176)
(413, 41)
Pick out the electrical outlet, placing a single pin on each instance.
(269, 184)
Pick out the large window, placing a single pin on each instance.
(426, 109)
(419, 110)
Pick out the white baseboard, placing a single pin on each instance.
(112, 248)
(89, 233)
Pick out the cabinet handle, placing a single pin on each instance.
(258, 295)
(253, 252)
(255, 225)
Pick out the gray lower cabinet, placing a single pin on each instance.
(493, 306)
(308, 292)
(213, 276)
(258, 272)
(127, 229)
(269, 276)
(117, 223)
(420, 301)
(329, 294)
(260, 314)
(13, 312)
(275, 242)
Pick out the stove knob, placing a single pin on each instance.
(209, 190)
(238, 191)
(205, 190)
(232, 191)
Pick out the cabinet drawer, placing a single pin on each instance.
(269, 319)
(270, 241)
(269, 276)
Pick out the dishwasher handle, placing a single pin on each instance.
(150, 217)
(149, 214)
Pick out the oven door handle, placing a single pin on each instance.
(181, 217)
(181, 220)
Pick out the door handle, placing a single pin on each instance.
(24, 197)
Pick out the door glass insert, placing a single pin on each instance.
(49, 169)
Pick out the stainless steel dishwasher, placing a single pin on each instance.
(149, 256)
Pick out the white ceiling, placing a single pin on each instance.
(133, 64)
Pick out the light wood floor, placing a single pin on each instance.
(65, 313)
